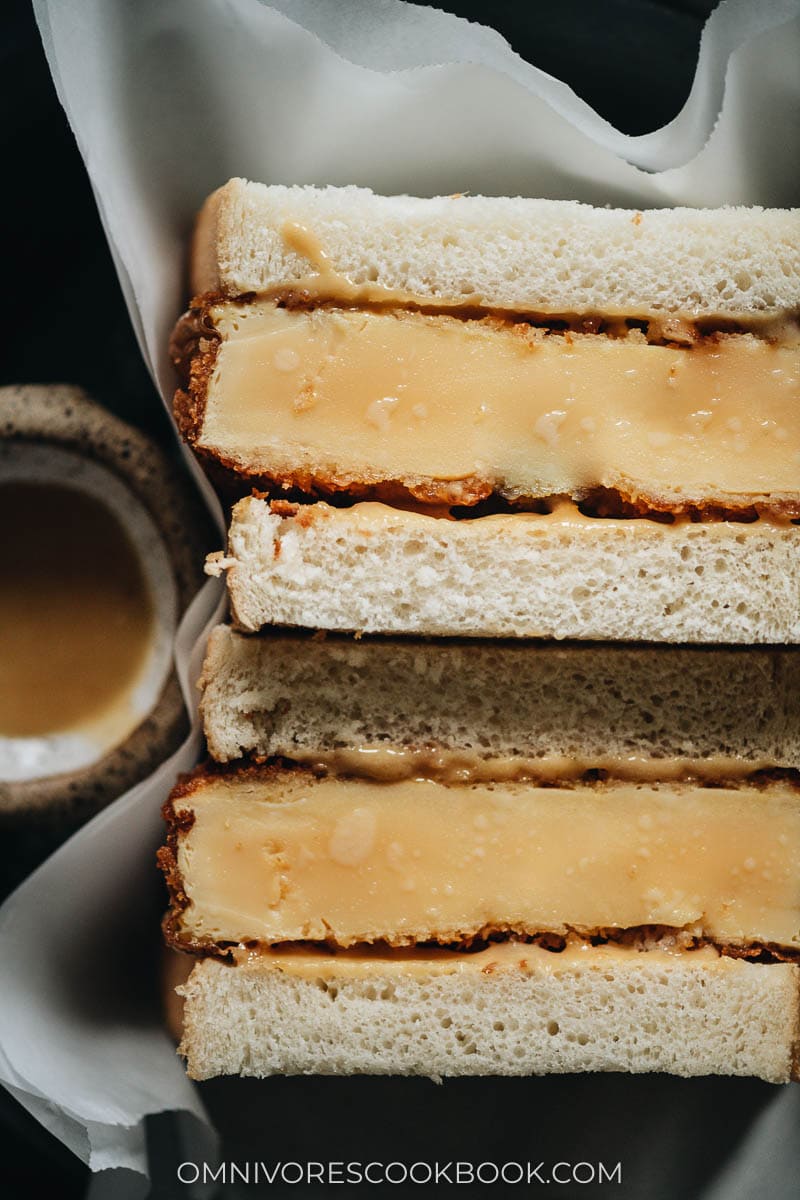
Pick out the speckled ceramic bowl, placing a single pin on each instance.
(55, 437)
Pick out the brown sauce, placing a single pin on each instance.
(76, 615)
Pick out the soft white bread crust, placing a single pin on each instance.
(537, 256)
(297, 696)
(374, 569)
(683, 1014)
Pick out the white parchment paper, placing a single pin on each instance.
(168, 100)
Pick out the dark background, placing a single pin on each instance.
(633, 61)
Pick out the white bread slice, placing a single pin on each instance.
(537, 256)
(620, 707)
(593, 1009)
(375, 569)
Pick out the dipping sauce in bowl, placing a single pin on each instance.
(102, 543)
(87, 612)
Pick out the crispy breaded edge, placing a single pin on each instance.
(194, 347)
(179, 823)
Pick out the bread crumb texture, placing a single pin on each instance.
(738, 1018)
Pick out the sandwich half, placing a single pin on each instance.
(488, 858)
(518, 417)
